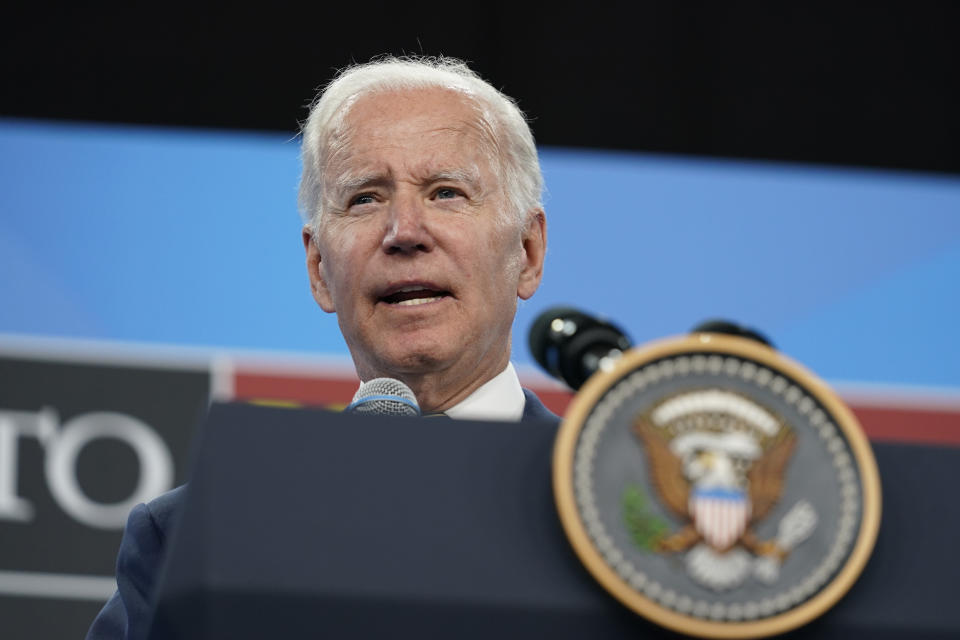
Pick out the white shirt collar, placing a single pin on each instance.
(500, 398)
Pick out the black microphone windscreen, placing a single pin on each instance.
(570, 344)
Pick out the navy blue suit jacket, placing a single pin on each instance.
(127, 613)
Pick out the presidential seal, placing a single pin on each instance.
(716, 487)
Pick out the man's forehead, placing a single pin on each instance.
(398, 117)
(424, 133)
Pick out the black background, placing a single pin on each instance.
(839, 83)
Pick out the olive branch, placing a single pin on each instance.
(644, 526)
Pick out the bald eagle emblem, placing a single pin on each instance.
(718, 462)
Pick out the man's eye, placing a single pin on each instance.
(363, 198)
(446, 193)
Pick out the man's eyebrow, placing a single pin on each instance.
(348, 183)
(469, 176)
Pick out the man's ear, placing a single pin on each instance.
(534, 239)
(318, 283)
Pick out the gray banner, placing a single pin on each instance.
(81, 442)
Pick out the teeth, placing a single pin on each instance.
(415, 301)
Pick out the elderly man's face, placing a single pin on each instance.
(417, 254)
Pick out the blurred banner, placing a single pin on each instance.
(82, 440)
(88, 429)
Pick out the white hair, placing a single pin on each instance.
(520, 174)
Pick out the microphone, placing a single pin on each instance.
(384, 397)
(571, 345)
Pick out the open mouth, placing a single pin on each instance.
(414, 295)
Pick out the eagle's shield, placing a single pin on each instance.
(719, 515)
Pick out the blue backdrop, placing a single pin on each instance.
(192, 238)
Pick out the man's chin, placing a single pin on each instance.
(406, 361)
(415, 363)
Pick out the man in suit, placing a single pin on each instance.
(420, 198)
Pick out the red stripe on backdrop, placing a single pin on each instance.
(916, 425)
(304, 389)
(912, 424)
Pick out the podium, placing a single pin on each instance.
(309, 524)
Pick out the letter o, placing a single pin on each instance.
(156, 466)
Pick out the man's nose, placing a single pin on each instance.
(407, 229)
